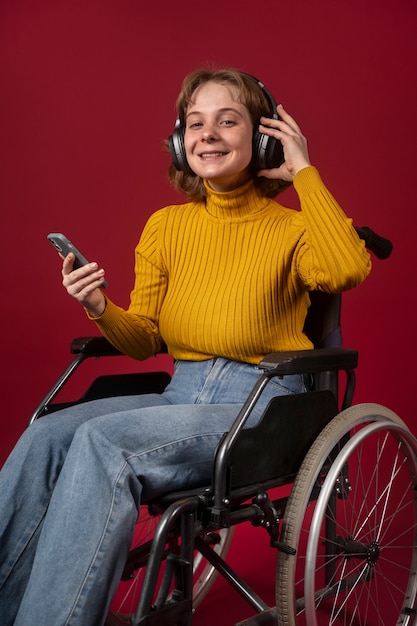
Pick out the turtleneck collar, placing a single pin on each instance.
(238, 203)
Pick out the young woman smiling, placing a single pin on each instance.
(221, 280)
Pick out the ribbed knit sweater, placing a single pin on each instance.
(229, 277)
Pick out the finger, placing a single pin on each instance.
(81, 290)
(276, 173)
(285, 123)
(82, 277)
(272, 173)
(280, 130)
(68, 263)
(287, 118)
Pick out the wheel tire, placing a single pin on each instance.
(301, 519)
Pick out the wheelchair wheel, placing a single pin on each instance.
(125, 601)
(352, 516)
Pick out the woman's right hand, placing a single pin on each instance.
(287, 131)
(84, 284)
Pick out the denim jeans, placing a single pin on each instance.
(71, 488)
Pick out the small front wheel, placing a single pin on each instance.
(126, 599)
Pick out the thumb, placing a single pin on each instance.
(280, 173)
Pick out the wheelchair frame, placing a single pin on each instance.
(326, 448)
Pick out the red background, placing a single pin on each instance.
(87, 93)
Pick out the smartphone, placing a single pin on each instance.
(64, 247)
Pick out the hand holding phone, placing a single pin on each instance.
(64, 247)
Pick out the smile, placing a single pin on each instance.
(207, 155)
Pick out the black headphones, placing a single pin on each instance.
(267, 151)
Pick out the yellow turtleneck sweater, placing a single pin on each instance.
(229, 277)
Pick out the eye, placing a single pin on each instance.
(228, 122)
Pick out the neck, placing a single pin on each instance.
(237, 203)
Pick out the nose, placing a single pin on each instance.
(209, 133)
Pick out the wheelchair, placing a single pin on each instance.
(332, 485)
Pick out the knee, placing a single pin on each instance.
(50, 431)
(44, 433)
(41, 448)
(93, 439)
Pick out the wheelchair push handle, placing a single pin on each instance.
(380, 246)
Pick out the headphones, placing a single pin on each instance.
(267, 152)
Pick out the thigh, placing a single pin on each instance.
(165, 447)
(66, 421)
(50, 436)
(144, 427)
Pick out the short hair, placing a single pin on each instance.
(251, 96)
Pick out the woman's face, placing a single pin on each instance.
(218, 136)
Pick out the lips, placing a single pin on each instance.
(208, 155)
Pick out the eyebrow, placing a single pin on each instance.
(223, 110)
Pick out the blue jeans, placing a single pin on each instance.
(71, 489)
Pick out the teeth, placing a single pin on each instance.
(211, 154)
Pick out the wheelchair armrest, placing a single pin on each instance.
(93, 346)
(310, 361)
(99, 346)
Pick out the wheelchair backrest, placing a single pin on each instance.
(322, 324)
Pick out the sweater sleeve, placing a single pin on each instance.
(135, 331)
(329, 256)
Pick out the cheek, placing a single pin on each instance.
(188, 143)
(247, 142)
(247, 149)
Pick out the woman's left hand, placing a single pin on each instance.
(293, 141)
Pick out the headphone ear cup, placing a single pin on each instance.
(267, 152)
(177, 149)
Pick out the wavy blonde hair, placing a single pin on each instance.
(251, 96)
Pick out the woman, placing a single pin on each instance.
(222, 280)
